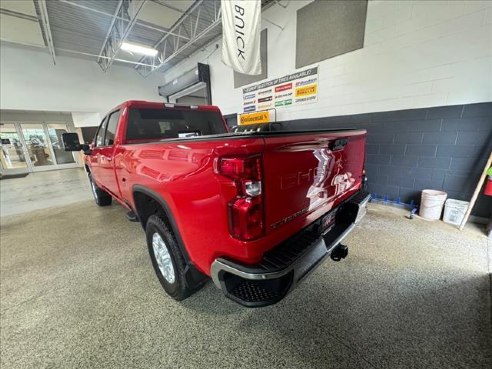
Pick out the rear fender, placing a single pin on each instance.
(192, 274)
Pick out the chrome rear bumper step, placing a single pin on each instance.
(284, 267)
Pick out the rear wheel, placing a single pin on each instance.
(167, 260)
(101, 197)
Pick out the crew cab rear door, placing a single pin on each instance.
(308, 174)
(96, 147)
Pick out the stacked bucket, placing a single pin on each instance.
(432, 203)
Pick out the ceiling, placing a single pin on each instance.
(94, 29)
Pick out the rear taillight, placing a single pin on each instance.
(241, 168)
(246, 209)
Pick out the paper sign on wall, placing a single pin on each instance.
(293, 89)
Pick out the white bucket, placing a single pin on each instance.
(454, 211)
(431, 204)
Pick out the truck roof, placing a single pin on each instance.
(162, 105)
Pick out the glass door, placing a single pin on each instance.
(45, 147)
(32, 147)
(38, 145)
(13, 154)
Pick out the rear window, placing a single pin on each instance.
(157, 124)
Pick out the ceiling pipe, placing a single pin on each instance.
(45, 25)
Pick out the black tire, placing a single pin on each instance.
(178, 288)
(101, 197)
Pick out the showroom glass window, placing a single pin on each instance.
(111, 130)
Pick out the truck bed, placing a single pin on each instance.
(303, 178)
(242, 134)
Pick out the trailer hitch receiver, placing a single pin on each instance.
(340, 252)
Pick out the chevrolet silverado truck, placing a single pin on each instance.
(254, 208)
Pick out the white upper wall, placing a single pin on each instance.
(30, 81)
(86, 119)
(416, 54)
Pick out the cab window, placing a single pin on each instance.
(111, 128)
(99, 140)
(161, 124)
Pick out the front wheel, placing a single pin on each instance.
(101, 197)
(167, 260)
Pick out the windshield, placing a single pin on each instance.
(159, 124)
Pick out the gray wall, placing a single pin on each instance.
(443, 148)
(329, 28)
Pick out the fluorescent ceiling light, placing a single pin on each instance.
(144, 50)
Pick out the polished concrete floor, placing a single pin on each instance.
(43, 190)
(77, 291)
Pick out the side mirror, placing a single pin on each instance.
(71, 143)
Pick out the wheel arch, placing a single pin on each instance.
(144, 210)
(147, 202)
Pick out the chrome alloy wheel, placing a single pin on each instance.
(163, 258)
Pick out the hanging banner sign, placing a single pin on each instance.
(254, 118)
(241, 22)
(294, 89)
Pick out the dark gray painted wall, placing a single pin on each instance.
(443, 148)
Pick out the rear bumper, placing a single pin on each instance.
(284, 267)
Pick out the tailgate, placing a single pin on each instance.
(307, 174)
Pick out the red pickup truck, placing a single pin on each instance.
(254, 208)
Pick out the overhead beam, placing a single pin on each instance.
(202, 11)
(280, 4)
(139, 23)
(169, 6)
(180, 22)
(108, 33)
(67, 51)
(19, 15)
(179, 50)
(45, 25)
(89, 54)
(169, 46)
(122, 23)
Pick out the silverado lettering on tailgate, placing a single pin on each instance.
(289, 218)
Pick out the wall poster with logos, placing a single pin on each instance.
(293, 89)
